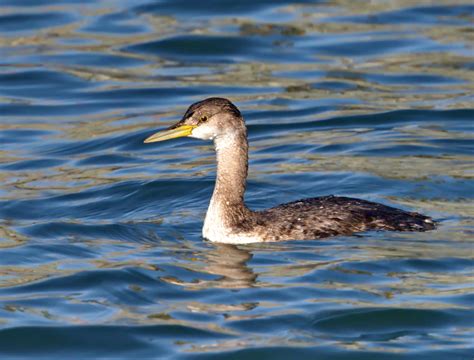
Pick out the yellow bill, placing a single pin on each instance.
(180, 131)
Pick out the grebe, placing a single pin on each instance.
(229, 220)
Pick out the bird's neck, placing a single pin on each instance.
(232, 165)
(227, 207)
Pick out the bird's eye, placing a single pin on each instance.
(203, 118)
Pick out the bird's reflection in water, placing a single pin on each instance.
(228, 262)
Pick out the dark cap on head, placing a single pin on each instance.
(214, 105)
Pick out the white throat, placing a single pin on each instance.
(227, 197)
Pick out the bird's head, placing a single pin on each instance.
(206, 120)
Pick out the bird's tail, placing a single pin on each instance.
(404, 221)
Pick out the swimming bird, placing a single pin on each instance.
(229, 220)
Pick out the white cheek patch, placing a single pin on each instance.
(203, 133)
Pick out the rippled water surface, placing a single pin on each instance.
(101, 252)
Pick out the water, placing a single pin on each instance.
(100, 246)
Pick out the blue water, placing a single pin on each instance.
(101, 254)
